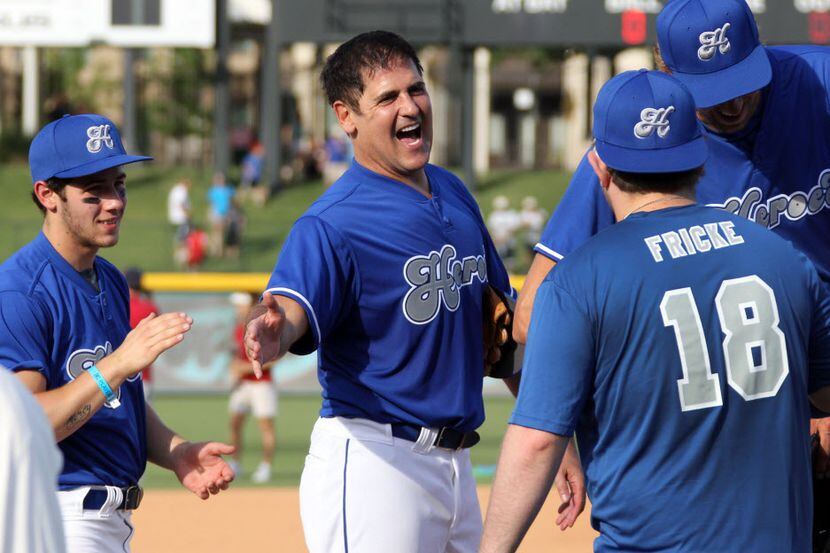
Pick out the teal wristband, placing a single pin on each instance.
(110, 396)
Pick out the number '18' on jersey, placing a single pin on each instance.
(681, 345)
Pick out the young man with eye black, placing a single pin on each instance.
(65, 333)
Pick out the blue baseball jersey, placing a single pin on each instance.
(776, 172)
(694, 338)
(53, 321)
(392, 284)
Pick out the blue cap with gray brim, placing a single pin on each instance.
(645, 122)
(712, 47)
(76, 146)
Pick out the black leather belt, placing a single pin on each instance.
(131, 498)
(447, 438)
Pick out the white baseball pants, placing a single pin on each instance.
(365, 491)
(100, 531)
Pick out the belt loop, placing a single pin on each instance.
(426, 440)
(114, 498)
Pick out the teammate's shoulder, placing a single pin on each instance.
(752, 234)
(787, 59)
(787, 52)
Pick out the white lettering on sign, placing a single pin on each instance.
(529, 6)
(807, 6)
(645, 6)
(25, 21)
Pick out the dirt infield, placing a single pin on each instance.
(253, 520)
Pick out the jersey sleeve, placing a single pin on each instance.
(581, 213)
(557, 375)
(24, 335)
(316, 269)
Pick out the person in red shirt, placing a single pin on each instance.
(141, 305)
(250, 394)
(195, 243)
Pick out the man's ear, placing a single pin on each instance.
(47, 197)
(600, 169)
(344, 115)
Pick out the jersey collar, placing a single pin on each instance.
(393, 186)
(62, 265)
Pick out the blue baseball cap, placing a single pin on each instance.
(76, 146)
(712, 47)
(645, 122)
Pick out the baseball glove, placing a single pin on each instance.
(499, 346)
(821, 508)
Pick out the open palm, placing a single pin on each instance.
(201, 469)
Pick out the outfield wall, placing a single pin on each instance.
(200, 363)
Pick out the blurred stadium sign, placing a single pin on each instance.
(127, 23)
(420, 21)
(556, 23)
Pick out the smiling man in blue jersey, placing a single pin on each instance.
(695, 340)
(65, 332)
(385, 276)
(766, 117)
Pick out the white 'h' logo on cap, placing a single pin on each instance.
(653, 119)
(713, 41)
(99, 136)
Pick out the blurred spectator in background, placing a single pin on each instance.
(196, 245)
(503, 223)
(141, 305)
(337, 155)
(178, 215)
(234, 230)
(252, 175)
(532, 219)
(220, 200)
(57, 106)
(251, 395)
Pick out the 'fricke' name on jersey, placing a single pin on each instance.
(692, 240)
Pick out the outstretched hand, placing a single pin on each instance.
(262, 333)
(152, 336)
(570, 483)
(201, 469)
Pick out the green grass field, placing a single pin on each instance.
(206, 418)
(147, 239)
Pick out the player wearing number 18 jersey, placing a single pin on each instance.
(694, 340)
(696, 402)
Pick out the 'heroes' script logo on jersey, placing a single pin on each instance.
(99, 136)
(794, 206)
(437, 278)
(82, 359)
(712, 41)
(652, 119)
